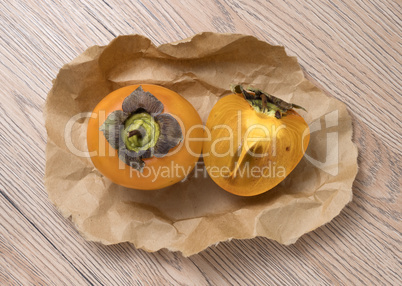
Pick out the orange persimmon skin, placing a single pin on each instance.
(158, 172)
(287, 140)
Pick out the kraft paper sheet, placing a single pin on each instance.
(196, 213)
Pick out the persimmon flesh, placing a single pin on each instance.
(253, 146)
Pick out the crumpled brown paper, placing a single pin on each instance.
(195, 213)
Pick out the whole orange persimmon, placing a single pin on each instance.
(255, 141)
(137, 137)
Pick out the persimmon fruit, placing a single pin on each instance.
(255, 141)
(137, 137)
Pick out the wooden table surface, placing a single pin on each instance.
(350, 49)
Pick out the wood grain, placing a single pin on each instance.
(351, 50)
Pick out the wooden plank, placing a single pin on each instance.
(28, 257)
(351, 50)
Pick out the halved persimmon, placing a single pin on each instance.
(255, 141)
